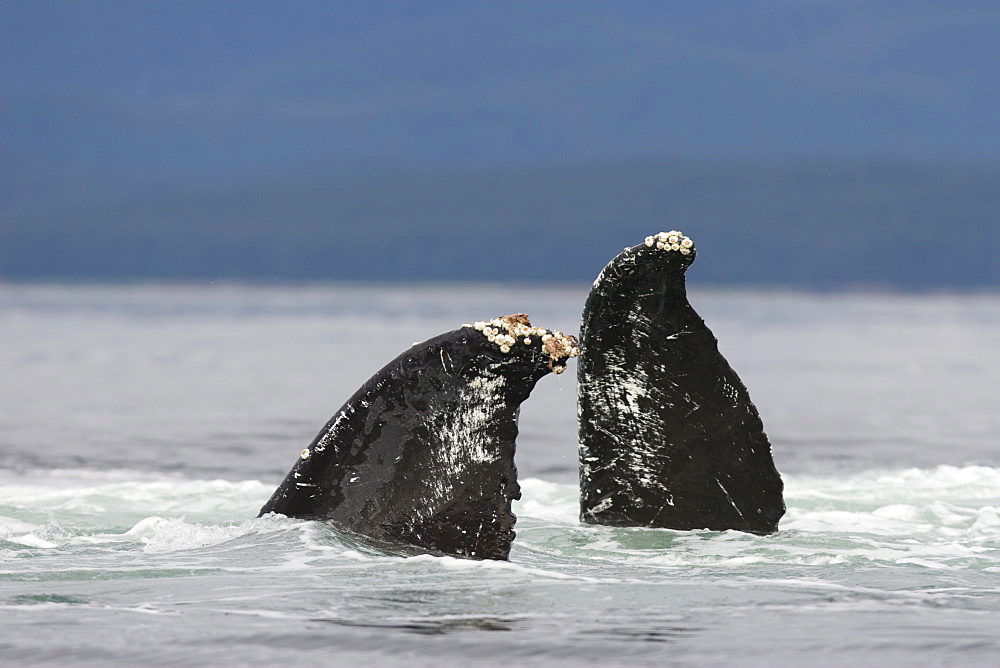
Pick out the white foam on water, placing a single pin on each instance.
(907, 485)
(159, 534)
(943, 518)
(946, 518)
(90, 491)
(454, 563)
(544, 500)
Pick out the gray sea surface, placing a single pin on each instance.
(142, 427)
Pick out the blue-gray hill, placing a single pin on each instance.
(887, 224)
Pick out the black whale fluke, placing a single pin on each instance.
(423, 454)
(668, 435)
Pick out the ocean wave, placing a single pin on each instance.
(943, 518)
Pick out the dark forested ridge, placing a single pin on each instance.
(888, 224)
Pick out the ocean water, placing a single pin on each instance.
(142, 427)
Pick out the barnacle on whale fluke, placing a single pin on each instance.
(512, 330)
(671, 241)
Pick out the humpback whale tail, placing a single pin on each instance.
(668, 434)
(423, 454)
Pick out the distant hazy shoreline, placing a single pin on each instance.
(838, 224)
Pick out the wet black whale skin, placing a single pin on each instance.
(668, 435)
(423, 454)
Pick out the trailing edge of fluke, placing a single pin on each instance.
(668, 435)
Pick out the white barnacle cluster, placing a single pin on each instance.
(513, 330)
(671, 241)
